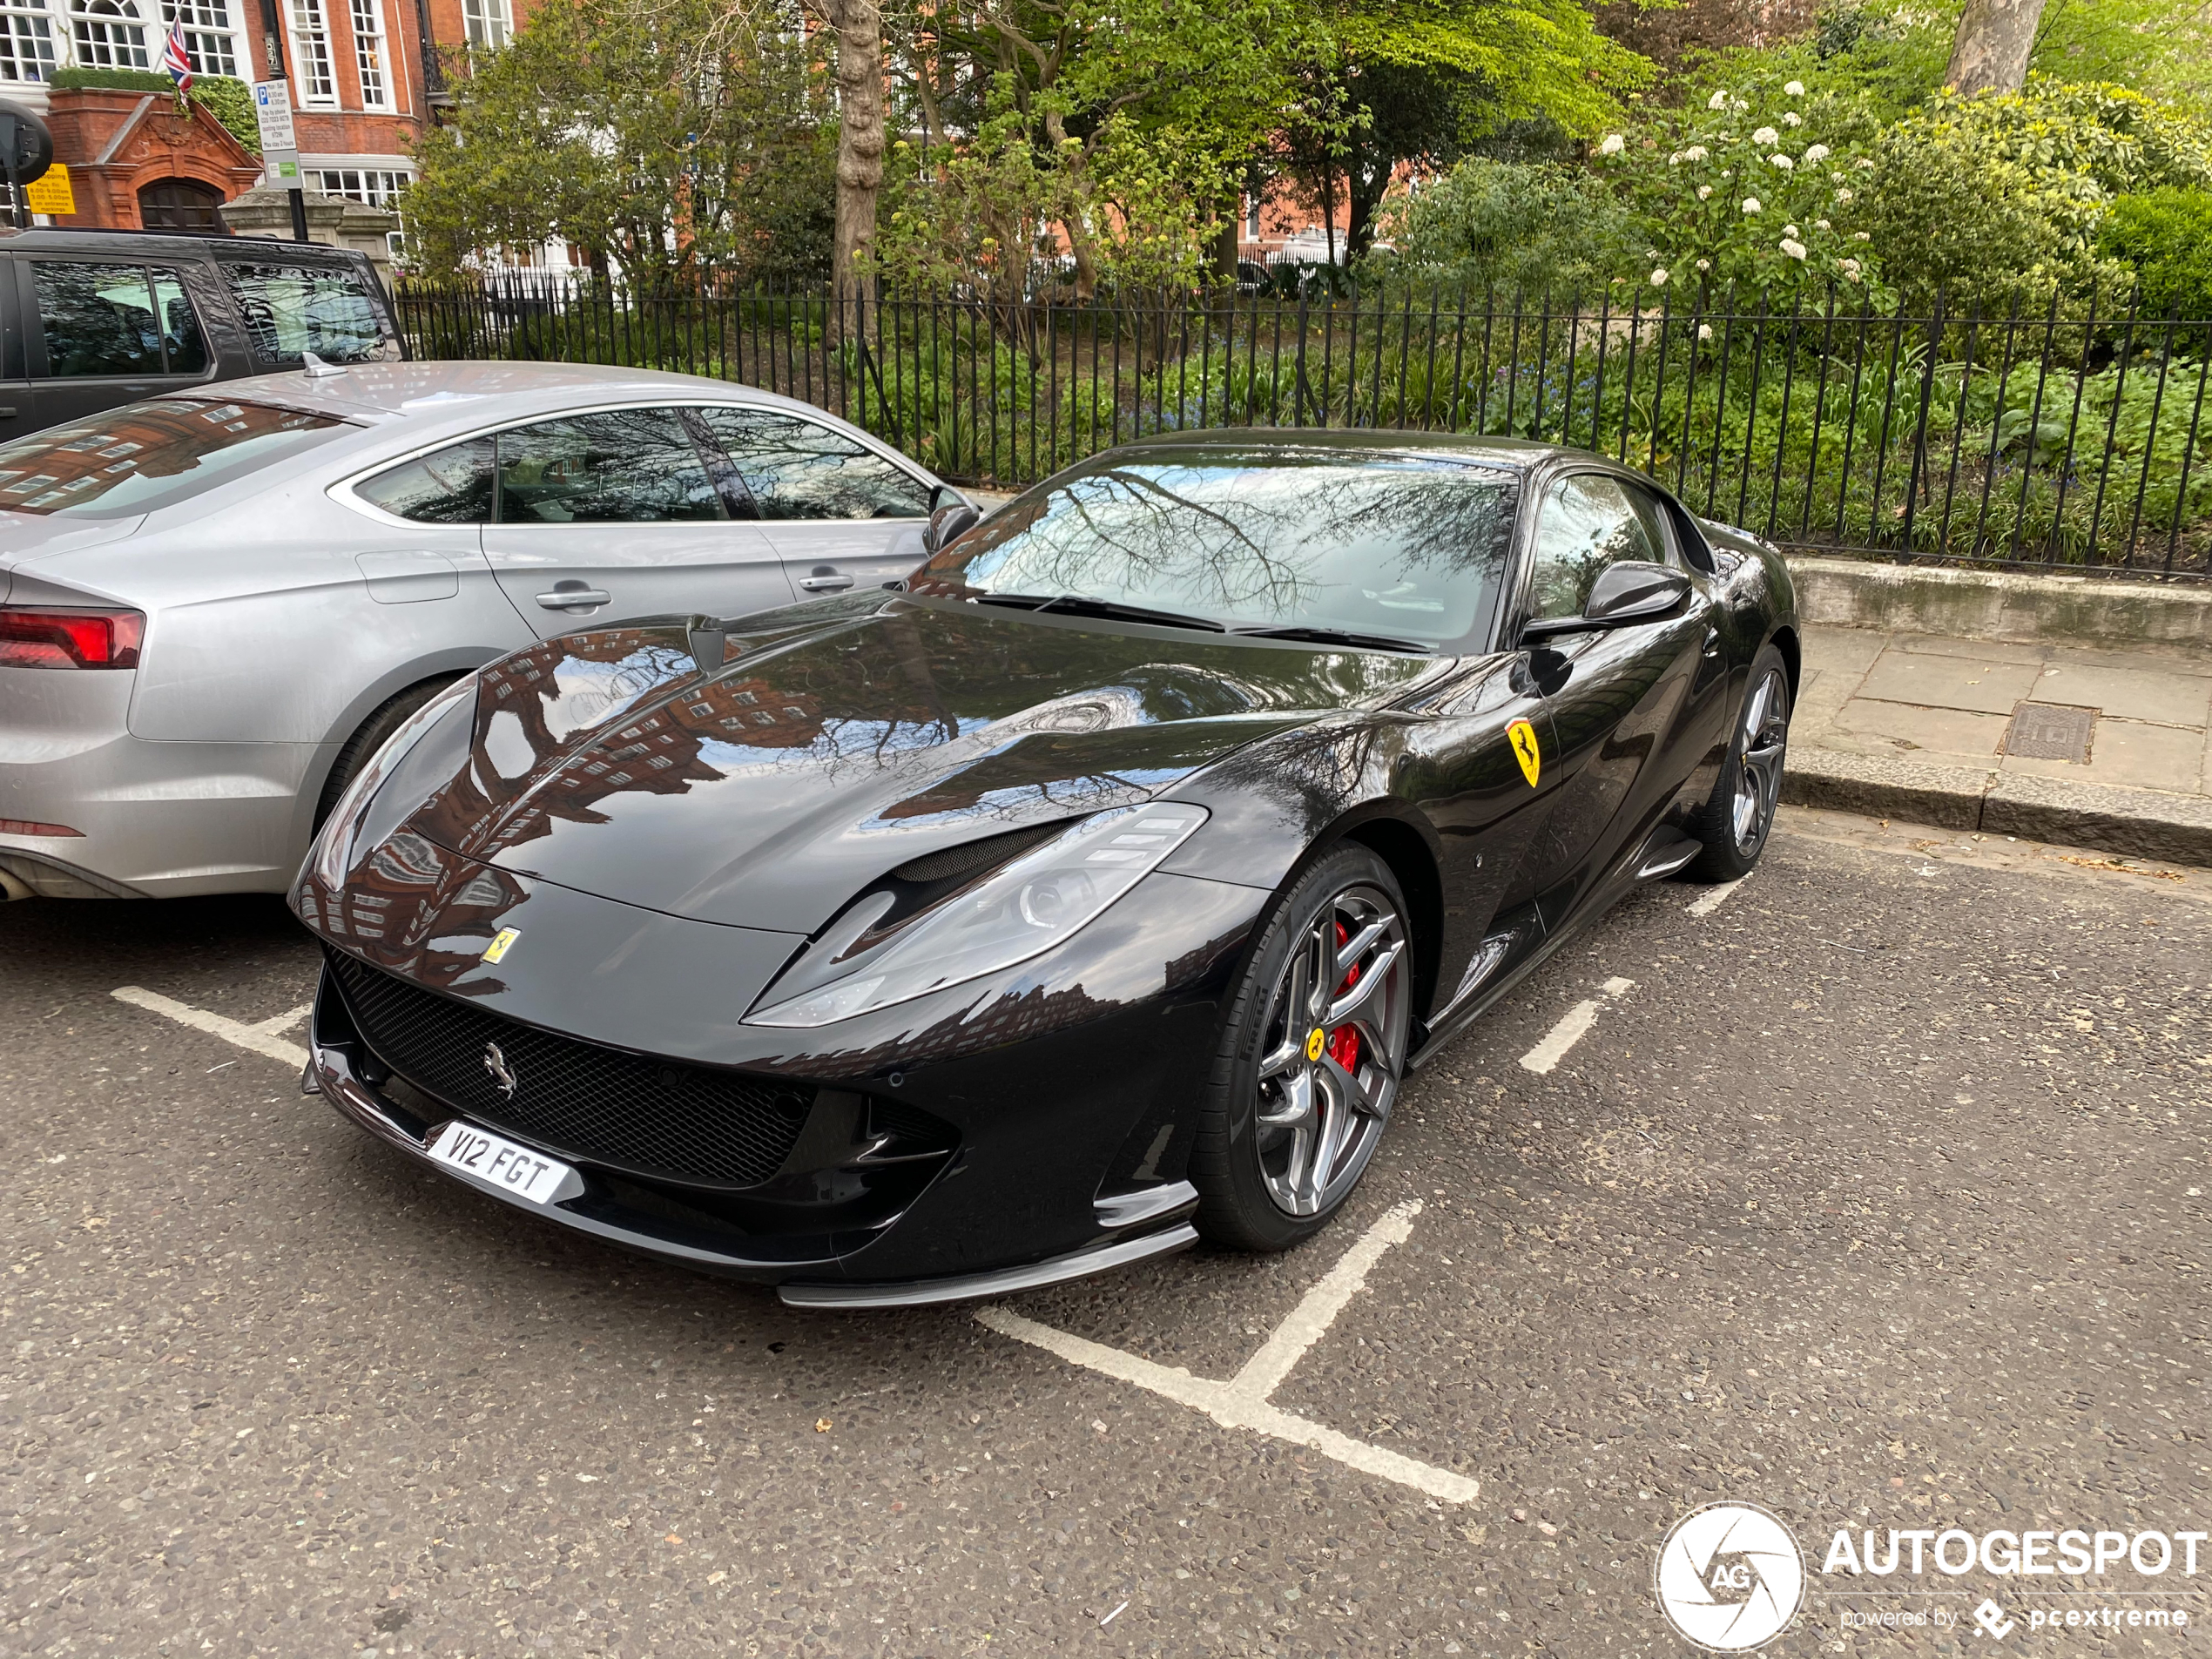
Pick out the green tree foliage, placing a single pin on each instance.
(1517, 227)
(1387, 82)
(662, 141)
(2165, 237)
(1116, 103)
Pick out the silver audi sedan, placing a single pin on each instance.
(215, 605)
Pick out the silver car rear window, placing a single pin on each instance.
(150, 455)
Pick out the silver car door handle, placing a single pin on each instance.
(826, 582)
(568, 598)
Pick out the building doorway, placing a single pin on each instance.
(180, 205)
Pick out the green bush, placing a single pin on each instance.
(1757, 185)
(2166, 235)
(1995, 196)
(1534, 226)
(229, 101)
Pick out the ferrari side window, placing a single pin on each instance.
(1588, 521)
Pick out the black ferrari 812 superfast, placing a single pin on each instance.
(1089, 893)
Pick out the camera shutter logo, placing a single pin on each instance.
(1729, 1577)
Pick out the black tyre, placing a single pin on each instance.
(388, 717)
(1311, 1056)
(1735, 823)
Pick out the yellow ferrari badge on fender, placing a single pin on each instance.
(1522, 735)
(507, 936)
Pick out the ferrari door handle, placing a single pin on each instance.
(572, 598)
(826, 582)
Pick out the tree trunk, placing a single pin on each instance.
(860, 156)
(1990, 54)
(1226, 241)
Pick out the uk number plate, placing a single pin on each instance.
(498, 1162)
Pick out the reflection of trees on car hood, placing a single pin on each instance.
(1389, 543)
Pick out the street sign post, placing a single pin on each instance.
(279, 148)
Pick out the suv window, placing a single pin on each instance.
(1589, 521)
(289, 309)
(148, 455)
(451, 486)
(615, 467)
(797, 469)
(116, 319)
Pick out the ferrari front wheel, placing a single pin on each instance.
(1311, 1057)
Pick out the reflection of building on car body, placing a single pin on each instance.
(1096, 891)
(216, 603)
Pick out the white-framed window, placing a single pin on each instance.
(110, 33)
(211, 40)
(372, 186)
(488, 23)
(1251, 218)
(26, 45)
(311, 65)
(369, 55)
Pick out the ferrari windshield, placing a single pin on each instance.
(1374, 547)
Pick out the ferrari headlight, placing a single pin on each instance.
(332, 852)
(1022, 910)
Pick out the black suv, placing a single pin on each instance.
(90, 319)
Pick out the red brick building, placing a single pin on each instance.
(367, 75)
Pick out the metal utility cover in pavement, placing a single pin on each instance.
(2048, 732)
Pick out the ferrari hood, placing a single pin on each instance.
(857, 736)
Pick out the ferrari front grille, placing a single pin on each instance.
(595, 1104)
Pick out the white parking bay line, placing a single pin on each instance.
(1714, 898)
(262, 1039)
(1242, 1402)
(1571, 1028)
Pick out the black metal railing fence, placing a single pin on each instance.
(2064, 432)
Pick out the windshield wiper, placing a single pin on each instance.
(1078, 604)
(1334, 637)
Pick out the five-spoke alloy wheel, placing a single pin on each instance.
(1736, 819)
(1312, 1056)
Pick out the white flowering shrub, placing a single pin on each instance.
(1753, 187)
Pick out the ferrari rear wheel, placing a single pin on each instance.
(1311, 1057)
(1735, 823)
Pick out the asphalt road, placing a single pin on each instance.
(1874, 1198)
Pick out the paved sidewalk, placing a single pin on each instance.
(2094, 747)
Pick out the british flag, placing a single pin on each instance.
(176, 60)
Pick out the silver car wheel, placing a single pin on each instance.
(1334, 1051)
(1762, 736)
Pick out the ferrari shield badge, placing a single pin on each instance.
(507, 936)
(1520, 734)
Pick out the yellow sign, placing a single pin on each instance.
(1522, 735)
(51, 194)
(500, 941)
(1315, 1043)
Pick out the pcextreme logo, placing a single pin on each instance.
(1729, 1577)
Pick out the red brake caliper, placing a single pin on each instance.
(1344, 1041)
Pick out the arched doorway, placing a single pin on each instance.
(180, 205)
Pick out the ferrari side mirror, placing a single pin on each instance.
(1625, 594)
(948, 525)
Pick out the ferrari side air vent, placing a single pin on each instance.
(991, 850)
